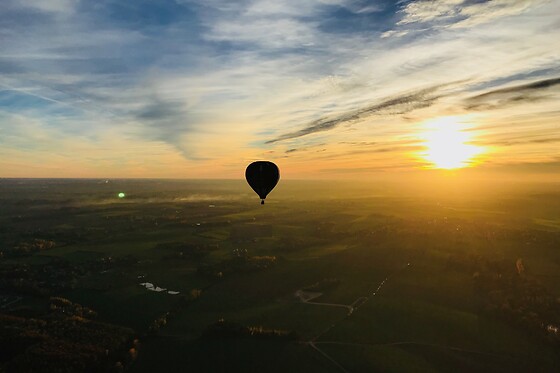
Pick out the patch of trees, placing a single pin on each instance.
(182, 302)
(63, 306)
(38, 280)
(507, 292)
(27, 248)
(63, 342)
(229, 329)
(55, 276)
(158, 323)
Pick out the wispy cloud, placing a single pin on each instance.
(397, 105)
(515, 95)
(209, 84)
(50, 6)
(524, 141)
(165, 121)
(422, 15)
(529, 87)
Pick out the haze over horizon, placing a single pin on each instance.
(326, 89)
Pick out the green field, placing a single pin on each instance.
(404, 283)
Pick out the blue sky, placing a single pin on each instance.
(189, 88)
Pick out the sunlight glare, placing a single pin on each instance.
(447, 144)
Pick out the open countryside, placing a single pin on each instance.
(326, 276)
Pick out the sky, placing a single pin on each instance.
(324, 88)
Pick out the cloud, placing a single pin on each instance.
(282, 26)
(460, 13)
(515, 141)
(538, 85)
(367, 169)
(223, 80)
(360, 143)
(166, 121)
(50, 6)
(503, 97)
(424, 16)
(310, 147)
(400, 104)
(262, 23)
(390, 33)
(429, 11)
(389, 149)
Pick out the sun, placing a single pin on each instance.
(447, 144)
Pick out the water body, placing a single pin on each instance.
(152, 287)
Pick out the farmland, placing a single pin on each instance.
(402, 281)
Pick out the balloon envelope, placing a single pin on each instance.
(262, 176)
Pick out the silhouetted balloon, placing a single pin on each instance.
(262, 176)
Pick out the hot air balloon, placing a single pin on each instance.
(262, 176)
